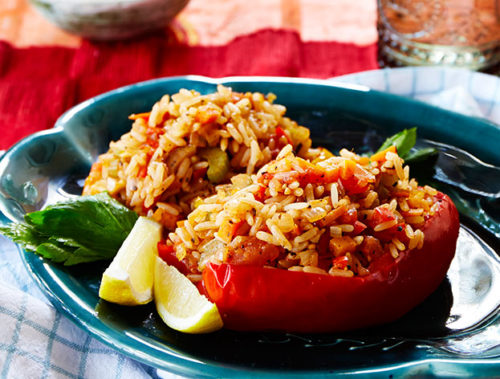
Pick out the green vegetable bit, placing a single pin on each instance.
(85, 229)
(297, 133)
(218, 164)
(421, 155)
(405, 142)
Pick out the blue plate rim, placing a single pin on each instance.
(176, 363)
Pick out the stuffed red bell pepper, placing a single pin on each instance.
(340, 243)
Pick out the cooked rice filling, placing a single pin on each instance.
(335, 215)
(235, 181)
(188, 143)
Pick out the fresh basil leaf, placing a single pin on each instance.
(54, 252)
(98, 222)
(403, 141)
(85, 229)
(22, 234)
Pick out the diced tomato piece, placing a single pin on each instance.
(313, 176)
(341, 262)
(318, 175)
(235, 227)
(358, 182)
(152, 131)
(260, 195)
(332, 175)
(153, 143)
(280, 132)
(349, 217)
(354, 186)
(400, 232)
(167, 253)
(199, 173)
(359, 227)
(397, 231)
(241, 228)
(164, 249)
(143, 171)
(381, 214)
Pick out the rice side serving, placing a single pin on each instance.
(187, 143)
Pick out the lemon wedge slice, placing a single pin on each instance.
(179, 303)
(129, 278)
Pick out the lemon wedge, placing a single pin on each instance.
(179, 303)
(129, 278)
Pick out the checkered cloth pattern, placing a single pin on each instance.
(39, 342)
(468, 92)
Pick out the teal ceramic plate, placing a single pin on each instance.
(456, 332)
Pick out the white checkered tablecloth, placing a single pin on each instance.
(459, 90)
(36, 341)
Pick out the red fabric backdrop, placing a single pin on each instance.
(38, 84)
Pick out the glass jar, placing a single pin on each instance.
(459, 33)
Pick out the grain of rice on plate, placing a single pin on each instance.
(187, 143)
(333, 215)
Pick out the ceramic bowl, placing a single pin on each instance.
(109, 19)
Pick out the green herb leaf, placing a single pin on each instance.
(403, 141)
(421, 155)
(85, 229)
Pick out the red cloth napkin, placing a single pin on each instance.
(38, 84)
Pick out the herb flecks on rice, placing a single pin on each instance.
(164, 161)
(335, 215)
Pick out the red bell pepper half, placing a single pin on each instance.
(258, 298)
